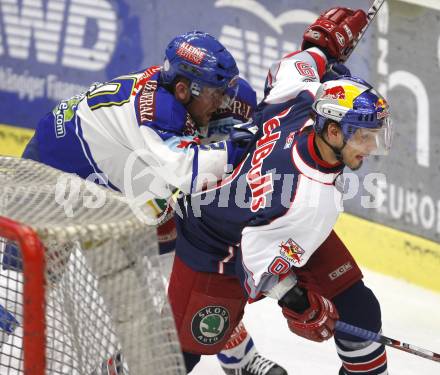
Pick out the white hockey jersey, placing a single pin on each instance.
(129, 134)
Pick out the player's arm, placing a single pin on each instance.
(270, 255)
(184, 163)
(293, 74)
(325, 42)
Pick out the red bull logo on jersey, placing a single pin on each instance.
(191, 53)
(336, 92)
(291, 251)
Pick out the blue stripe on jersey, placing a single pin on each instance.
(88, 155)
(69, 153)
(158, 109)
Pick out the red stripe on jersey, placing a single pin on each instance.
(321, 63)
(314, 155)
(291, 54)
(366, 366)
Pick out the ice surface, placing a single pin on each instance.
(410, 314)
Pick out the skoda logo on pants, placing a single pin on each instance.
(208, 325)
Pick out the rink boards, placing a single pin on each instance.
(392, 252)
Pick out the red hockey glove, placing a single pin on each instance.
(335, 30)
(309, 314)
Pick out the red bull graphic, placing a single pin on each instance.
(337, 92)
(291, 251)
(381, 103)
(382, 108)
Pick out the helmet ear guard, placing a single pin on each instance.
(330, 111)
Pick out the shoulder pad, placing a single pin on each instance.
(242, 108)
(159, 109)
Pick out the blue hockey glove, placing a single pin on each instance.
(240, 136)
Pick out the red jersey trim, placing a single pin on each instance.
(321, 63)
(314, 155)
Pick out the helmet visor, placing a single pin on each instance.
(224, 96)
(373, 141)
(230, 93)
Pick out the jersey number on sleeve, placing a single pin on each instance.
(305, 69)
(116, 92)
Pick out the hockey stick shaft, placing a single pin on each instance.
(372, 336)
(371, 14)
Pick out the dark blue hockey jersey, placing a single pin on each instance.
(274, 210)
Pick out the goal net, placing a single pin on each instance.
(81, 287)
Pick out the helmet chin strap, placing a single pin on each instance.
(336, 150)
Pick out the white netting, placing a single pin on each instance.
(106, 303)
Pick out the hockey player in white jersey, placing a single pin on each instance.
(277, 239)
(139, 133)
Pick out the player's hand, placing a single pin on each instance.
(309, 314)
(240, 136)
(335, 30)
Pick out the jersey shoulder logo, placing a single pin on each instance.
(291, 251)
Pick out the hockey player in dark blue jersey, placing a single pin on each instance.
(159, 116)
(239, 355)
(266, 230)
(240, 351)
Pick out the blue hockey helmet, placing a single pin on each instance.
(354, 104)
(203, 60)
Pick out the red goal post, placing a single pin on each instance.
(34, 324)
(81, 282)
